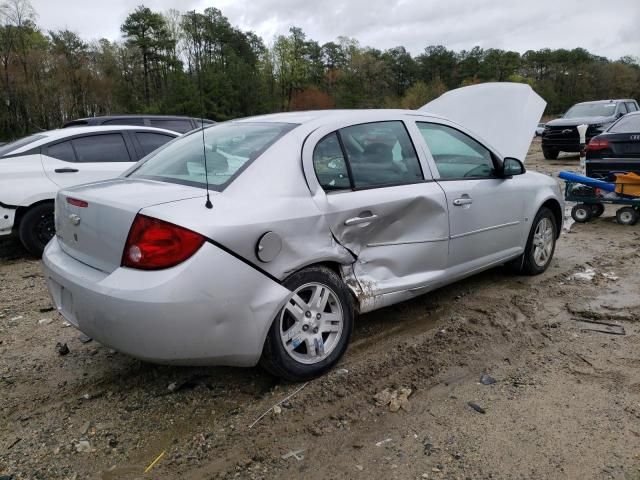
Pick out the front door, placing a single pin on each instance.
(485, 212)
(379, 205)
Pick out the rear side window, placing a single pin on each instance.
(366, 156)
(330, 165)
(631, 107)
(177, 125)
(101, 148)
(627, 124)
(456, 155)
(151, 141)
(62, 151)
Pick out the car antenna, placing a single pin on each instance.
(208, 203)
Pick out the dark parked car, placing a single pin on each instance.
(617, 149)
(167, 122)
(561, 135)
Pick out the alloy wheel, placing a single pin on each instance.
(311, 323)
(543, 239)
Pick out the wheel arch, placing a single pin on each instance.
(553, 205)
(22, 210)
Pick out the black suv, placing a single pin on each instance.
(561, 135)
(168, 122)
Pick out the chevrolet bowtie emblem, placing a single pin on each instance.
(566, 130)
(74, 219)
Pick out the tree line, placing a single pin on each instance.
(198, 63)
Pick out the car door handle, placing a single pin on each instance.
(459, 202)
(359, 220)
(66, 170)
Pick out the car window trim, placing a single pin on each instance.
(494, 158)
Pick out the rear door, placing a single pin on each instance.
(368, 181)
(485, 211)
(87, 158)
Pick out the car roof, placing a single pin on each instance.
(593, 102)
(134, 115)
(311, 116)
(62, 133)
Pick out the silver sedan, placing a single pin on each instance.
(259, 240)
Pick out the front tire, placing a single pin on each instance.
(37, 227)
(541, 243)
(311, 332)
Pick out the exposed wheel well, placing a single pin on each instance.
(20, 212)
(558, 214)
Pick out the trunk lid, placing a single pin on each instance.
(503, 114)
(93, 221)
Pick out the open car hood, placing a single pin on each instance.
(505, 115)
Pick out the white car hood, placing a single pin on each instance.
(505, 115)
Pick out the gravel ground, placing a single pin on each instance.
(565, 402)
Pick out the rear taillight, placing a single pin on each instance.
(153, 244)
(598, 144)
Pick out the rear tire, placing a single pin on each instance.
(582, 213)
(550, 153)
(541, 243)
(37, 227)
(627, 216)
(308, 337)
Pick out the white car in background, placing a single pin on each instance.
(34, 168)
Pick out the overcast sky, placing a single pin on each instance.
(609, 28)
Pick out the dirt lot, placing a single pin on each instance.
(566, 402)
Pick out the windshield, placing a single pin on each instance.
(591, 110)
(229, 148)
(627, 124)
(10, 147)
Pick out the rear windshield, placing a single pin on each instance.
(229, 148)
(627, 124)
(591, 110)
(23, 142)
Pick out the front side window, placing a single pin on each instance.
(229, 148)
(456, 155)
(627, 124)
(108, 147)
(623, 109)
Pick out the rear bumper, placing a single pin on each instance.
(210, 310)
(7, 218)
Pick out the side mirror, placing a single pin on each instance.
(512, 166)
(620, 114)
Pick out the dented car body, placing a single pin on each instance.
(382, 204)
